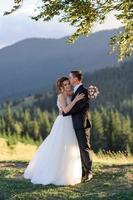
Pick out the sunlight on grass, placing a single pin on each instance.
(25, 152)
(113, 177)
(19, 151)
(113, 158)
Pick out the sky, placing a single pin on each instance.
(19, 25)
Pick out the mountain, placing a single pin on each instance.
(115, 85)
(32, 65)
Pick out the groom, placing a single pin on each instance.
(81, 123)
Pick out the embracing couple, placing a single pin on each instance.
(64, 158)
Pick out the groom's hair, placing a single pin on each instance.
(78, 74)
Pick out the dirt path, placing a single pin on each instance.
(17, 165)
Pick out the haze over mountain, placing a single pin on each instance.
(33, 65)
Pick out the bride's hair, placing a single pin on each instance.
(60, 83)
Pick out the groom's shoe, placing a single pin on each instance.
(87, 178)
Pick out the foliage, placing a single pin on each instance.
(112, 129)
(83, 14)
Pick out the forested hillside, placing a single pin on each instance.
(31, 118)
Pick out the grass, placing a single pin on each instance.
(16, 152)
(110, 182)
(113, 178)
(19, 152)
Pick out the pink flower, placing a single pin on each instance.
(93, 92)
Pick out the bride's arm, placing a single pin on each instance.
(66, 108)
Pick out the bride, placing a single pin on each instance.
(57, 161)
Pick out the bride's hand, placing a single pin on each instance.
(79, 97)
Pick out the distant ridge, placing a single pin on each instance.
(34, 64)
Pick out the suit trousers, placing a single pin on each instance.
(83, 137)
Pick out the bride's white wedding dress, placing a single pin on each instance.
(57, 161)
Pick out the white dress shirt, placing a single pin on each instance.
(77, 86)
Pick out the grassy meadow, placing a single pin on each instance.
(113, 177)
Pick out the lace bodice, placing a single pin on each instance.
(67, 101)
(58, 104)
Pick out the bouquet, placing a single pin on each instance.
(93, 92)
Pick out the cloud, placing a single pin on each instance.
(110, 23)
(25, 11)
(19, 25)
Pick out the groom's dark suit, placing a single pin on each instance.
(81, 122)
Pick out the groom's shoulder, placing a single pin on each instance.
(83, 88)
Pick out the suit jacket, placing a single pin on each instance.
(80, 111)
